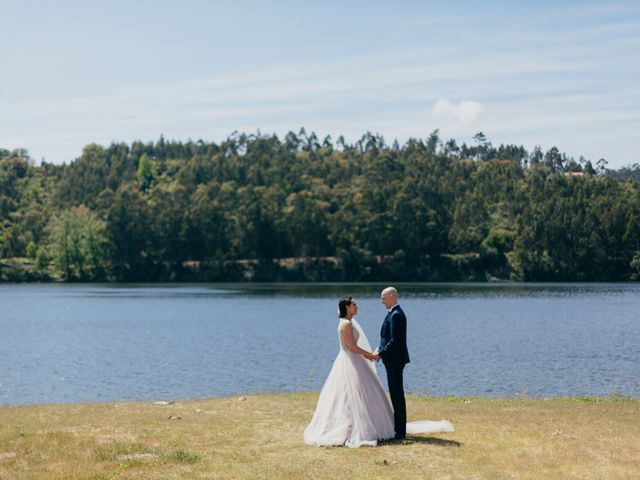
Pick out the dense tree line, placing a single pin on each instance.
(258, 207)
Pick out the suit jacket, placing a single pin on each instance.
(393, 338)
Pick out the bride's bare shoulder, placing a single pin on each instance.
(344, 323)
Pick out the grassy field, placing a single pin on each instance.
(260, 436)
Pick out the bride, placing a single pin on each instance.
(353, 409)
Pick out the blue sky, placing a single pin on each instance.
(563, 74)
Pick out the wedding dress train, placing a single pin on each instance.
(353, 408)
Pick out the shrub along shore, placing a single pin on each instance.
(260, 436)
(443, 268)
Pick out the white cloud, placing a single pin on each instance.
(465, 111)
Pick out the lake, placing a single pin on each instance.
(87, 343)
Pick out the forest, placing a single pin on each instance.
(261, 208)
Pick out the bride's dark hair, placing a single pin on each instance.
(343, 304)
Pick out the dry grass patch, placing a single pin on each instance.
(261, 437)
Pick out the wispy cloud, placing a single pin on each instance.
(518, 85)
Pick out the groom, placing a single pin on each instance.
(394, 354)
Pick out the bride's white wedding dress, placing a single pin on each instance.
(353, 408)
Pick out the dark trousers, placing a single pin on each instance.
(396, 391)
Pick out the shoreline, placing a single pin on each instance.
(447, 398)
(325, 283)
(449, 268)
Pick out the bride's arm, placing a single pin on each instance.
(346, 332)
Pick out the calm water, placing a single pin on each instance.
(77, 343)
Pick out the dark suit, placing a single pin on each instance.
(394, 354)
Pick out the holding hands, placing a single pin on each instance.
(373, 356)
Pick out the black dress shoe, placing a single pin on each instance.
(400, 437)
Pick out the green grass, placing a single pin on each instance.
(261, 437)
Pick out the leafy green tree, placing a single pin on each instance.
(147, 172)
(635, 267)
(208, 224)
(129, 234)
(78, 244)
(31, 250)
(301, 208)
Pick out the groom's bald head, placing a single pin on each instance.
(389, 297)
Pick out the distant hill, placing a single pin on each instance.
(303, 208)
